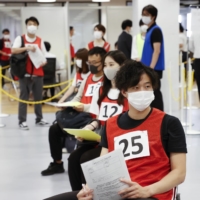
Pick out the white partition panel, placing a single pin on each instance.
(115, 16)
(168, 12)
(52, 27)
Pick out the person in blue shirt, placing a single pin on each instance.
(153, 50)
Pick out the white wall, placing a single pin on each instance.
(51, 28)
(114, 20)
(14, 25)
(168, 12)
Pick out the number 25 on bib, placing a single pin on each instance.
(133, 144)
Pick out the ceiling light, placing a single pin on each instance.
(100, 0)
(46, 1)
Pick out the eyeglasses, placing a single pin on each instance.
(93, 63)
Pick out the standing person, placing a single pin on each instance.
(107, 101)
(138, 42)
(153, 50)
(5, 51)
(125, 39)
(99, 41)
(182, 42)
(154, 173)
(33, 79)
(72, 51)
(194, 47)
(84, 95)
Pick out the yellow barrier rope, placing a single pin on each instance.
(47, 86)
(5, 67)
(35, 102)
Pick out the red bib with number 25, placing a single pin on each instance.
(143, 151)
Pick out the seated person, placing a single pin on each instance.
(106, 102)
(84, 95)
(82, 73)
(50, 55)
(155, 175)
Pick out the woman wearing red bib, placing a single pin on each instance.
(81, 74)
(107, 101)
(99, 41)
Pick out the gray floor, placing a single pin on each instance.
(25, 153)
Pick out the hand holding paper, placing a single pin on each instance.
(65, 104)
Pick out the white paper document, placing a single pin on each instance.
(103, 175)
(37, 57)
(65, 104)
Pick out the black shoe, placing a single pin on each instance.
(53, 168)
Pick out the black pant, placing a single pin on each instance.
(73, 196)
(3, 64)
(82, 154)
(56, 136)
(197, 73)
(158, 101)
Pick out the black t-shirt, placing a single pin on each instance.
(1, 44)
(156, 36)
(172, 133)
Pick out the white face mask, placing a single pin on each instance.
(97, 35)
(110, 72)
(79, 63)
(6, 37)
(32, 29)
(143, 28)
(146, 20)
(141, 100)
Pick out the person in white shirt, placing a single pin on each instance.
(33, 79)
(138, 42)
(182, 43)
(194, 47)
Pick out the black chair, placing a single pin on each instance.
(50, 76)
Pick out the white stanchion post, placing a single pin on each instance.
(170, 98)
(190, 131)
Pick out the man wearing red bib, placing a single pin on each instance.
(33, 79)
(153, 142)
(5, 51)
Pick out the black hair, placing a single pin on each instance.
(33, 19)
(141, 23)
(151, 10)
(71, 28)
(181, 29)
(97, 51)
(83, 55)
(119, 58)
(130, 73)
(47, 46)
(5, 30)
(126, 23)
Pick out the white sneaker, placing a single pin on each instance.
(23, 126)
(42, 122)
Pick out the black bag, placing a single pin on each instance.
(18, 62)
(70, 118)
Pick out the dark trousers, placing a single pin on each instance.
(56, 137)
(158, 101)
(197, 73)
(82, 154)
(28, 84)
(73, 196)
(3, 64)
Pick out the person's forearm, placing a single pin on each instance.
(18, 50)
(67, 94)
(154, 59)
(173, 179)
